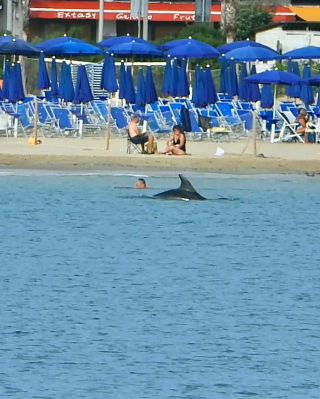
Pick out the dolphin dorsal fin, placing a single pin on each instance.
(186, 185)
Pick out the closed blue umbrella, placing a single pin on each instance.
(225, 48)
(114, 41)
(252, 54)
(108, 76)
(243, 84)
(141, 90)
(318, 97)
(16, 92)
(183, 85)
(18, 47)
(233, 80)
(47, 44)
(66, 90)
(54, 92)
(266, 97)
(166, 77)
(210, 90)
(82, 93)
(296, 88)
(43, 81)
(288, 88)
(254, 92)
(305, 53)
(315, 81)
(201, 89)
(73, 48)
(185, 121)
(193, 50)
(19, 85)
(130, 95)
(194, 98)
(135, 48)
(122, 81)
(151, 93)
(6, 80)
(223, 75)
(306, 94)
(174, 79)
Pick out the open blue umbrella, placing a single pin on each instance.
(225, 48)
(47, 44)
(182, 42)
(73, 48)
(288, 88)
(305, 53)
(114, 41)
(54, 92)
(266, 97)
(254, 92)
(122, 81)
(183, 85)
(210, 90)
(5, 38)
(141, 90)
(194, 97)
(243, 84)
(43, 81)
(130, 95)
(151, 93)
(252, 54)
(193, 50)
(223, 75)
(174, 79)
(166, 77)
(108, 80)
(306, 94)
(66, 90)
(135, 48)
(296, 88)
(18, 47)
(6, 80)
(233, 80)
(82, 93)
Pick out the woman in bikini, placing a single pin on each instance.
(176, 144)
(302, 119)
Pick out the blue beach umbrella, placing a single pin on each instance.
(16, 92)
(306, 94)
(166, 77)
(151, 93)
(193, 50)
(135, 48)
(315, 81)
(252, 54)
(210, 90)
(6, 80)
(108, 80)
(82, 93)
(181, 42)
(201, 100)
(288, 88)
(266, 97)
(130, 95)
(225, 48)
(174, 79)
(73, 48)
(185, 121)
(54, 92)
(66, 90)
(43, 81)
(305, 53)
(114, 41)
(254, 92)
(233, 80)
(223, 75)
(243, 84)
(5, 38)
(183, 85)
(296, 88)
(19, 85)
(141, 90)
(194, 97)
(47, 44)
(18, 47)
(122, 81)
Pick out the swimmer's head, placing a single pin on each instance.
(141, 183)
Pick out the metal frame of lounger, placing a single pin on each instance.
(288, 126)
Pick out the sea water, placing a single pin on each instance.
(106, 293)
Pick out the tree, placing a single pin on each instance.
(228, 17)
(250, 17)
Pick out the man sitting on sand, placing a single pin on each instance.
(176, 144)
(137, 137)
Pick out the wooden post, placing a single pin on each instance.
(108, 125)
(35, 120)
(254, 132)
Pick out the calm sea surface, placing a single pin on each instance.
(105, 293)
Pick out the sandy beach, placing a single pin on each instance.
(90, 154)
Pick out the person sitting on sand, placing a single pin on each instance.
(302, 119)
(176, 144)
(141, 183)
(137, 137)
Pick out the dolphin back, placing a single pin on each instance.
(185, 191)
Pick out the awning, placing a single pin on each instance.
(310, 14)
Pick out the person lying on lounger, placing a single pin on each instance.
(176, 144)
(137, 137)
(302, 119)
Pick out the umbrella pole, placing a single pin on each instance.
(254, 132)
(35, 120)
(273, 126)
(81, 121)
(108, 124)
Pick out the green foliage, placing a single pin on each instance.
(249, 18)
